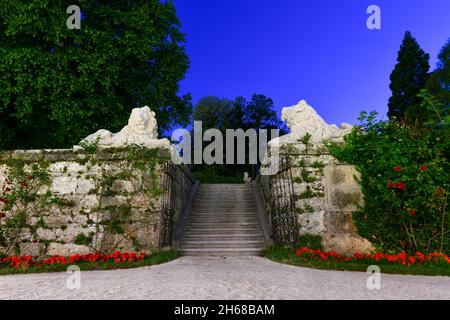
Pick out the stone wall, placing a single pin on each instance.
(326, 193)
(63, 202)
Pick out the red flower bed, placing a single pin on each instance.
(401, 258)
(25, 262)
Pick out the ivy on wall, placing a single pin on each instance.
(122, 178)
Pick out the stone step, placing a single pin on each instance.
(225, 190)
(221, 201)
(225, 200)
(222, 252)
(230, 191)
(228, 188)
(224, 214)
(218, 211)
(230, 214)
(226, 219)
(223, 206)
(222, 231)
(218, 220)
(223, 222)
(225, 185)
(213, 210)
(256, 236)
(225, 225)
(225, 196)
(222, 244)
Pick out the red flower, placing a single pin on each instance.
(423, 168)
(358, 256)
(378, 256)
(30, 178)
(4, 200)
(397, 169)
(400, 185)
(420, 256)
(7, 189)
(412, 212)
(2, 215)
(390, 185)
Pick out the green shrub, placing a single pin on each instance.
(405, 179)
(82, 239)
(310, 241)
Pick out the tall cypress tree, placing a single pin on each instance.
(407, 79)
(439, 81)
(57, 85)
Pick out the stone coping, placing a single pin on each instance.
(56, 155)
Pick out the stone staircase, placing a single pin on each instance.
(224, 222)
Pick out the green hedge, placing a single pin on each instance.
(405, 178)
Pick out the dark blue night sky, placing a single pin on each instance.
(317, 50)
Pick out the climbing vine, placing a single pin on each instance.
(24, 195)
(121, 178)
(118, 186)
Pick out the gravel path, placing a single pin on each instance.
(219, 278)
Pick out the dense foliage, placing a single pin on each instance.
(222, 114)
(408, 78)
(401, 258)
(404, 162)
(90, 261)
(417, 263)
(59, 85)
(257, 113)
(439, 80)
(405, 179)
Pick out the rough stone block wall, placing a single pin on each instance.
(63, 202)
(325, 195)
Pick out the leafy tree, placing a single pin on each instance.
(260, 113)
(235, 118)
(213, 112)
(407, 79)
(222, 114)
(59, 85)
(439, 81)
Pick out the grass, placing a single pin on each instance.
(287, 256)
(149, 260)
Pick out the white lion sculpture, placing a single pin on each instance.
(142, 129)
(303, 119)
